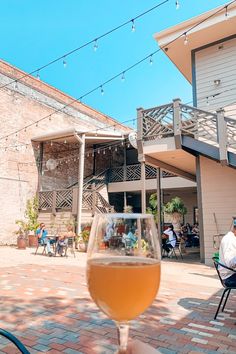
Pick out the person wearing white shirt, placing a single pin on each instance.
(227, 256)
(169, 238)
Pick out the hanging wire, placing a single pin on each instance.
(87, 43)
(127, 69)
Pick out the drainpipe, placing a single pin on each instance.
(81, 140)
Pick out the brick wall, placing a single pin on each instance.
(23, 105)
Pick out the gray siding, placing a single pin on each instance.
(217, 62)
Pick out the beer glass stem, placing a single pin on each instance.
(123, 335)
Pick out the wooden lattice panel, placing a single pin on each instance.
(45, 200)
(64, 199)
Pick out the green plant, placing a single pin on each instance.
(84, 236)
(176, 205)
(128, 209)
(23, 227)
(31, 214)
(176, 209)
(144, 245)
(152, 208)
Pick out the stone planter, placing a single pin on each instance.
(33, 240)
(82, 246)
(21, 242)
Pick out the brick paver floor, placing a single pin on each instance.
(45, 303)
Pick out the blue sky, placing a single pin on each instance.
(34, 32)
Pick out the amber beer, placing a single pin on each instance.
(122, 288)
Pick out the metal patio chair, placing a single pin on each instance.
(227, 289)
(70, 245)
(14, 340)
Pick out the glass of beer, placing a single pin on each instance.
(123, 267)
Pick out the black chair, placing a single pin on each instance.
(14, 340)
(227, 289)
(70, 245)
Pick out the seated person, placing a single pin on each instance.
(63, 240)
(227, 256)
(42, 234)
(109, 233)
(169, 239)
(129, 239)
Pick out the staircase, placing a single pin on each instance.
(58, 207)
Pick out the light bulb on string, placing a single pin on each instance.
(50, 117)
(102, 90)
(123, 77)
(98, 151)
(128, 145)
(185, 39)
(16, 85)
(104, 152)
(64, 62)
(207, 101)
(177, 4)
(37, 125)
(150, 60)
(51, 143)
(122, 143)
(88, 154)
(25, 130)
(133, 28)
(38, 76)
(95, 46)
(226, 13)
(65, 142)
(116, 148)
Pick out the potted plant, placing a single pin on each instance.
(21, 234)
(82, 240)
(176, 209)
(31, 214)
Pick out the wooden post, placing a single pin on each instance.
(125, 200)
(222, 137)
(80, 182)
(143, 186)
(177, 123)
(159, 206)
(40, 168)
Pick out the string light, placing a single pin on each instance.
(226, 12)
(104, 152)
(38, 76)
(150, 60)
(51, 143)
(133, 26)
(102, 90)
(95, 46)
(127, 69)
(185, 39)
(123, 77)
(65, 142)
(16, 85)
(64, 62)
(177, 4)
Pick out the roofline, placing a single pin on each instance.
(15, 73)
(186, 25)
(70, 132)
